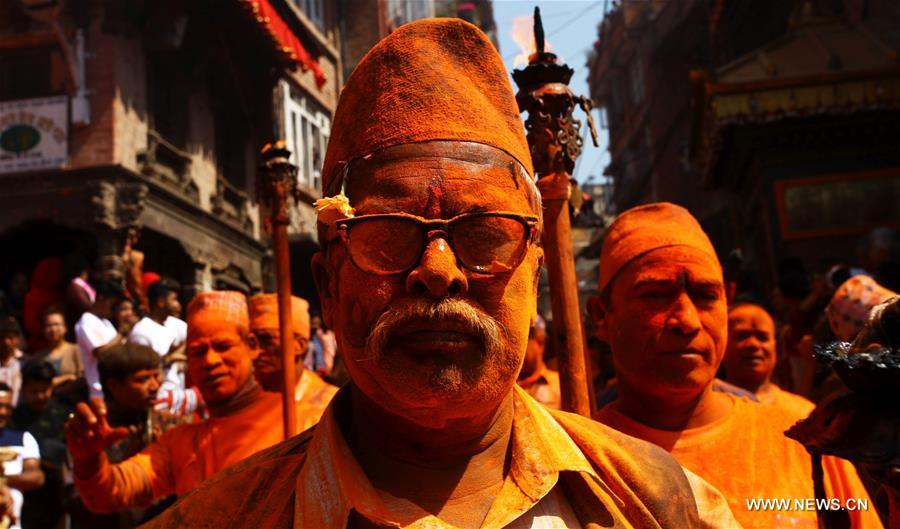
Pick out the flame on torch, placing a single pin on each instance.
(523, 35)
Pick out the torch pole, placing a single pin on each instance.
(276, 183)
(555, 141)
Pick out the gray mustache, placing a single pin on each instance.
(479, 322)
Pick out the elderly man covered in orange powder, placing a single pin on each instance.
(430, 287)
(312, 394)
(662, 309)
(243, 418)
(750, 359)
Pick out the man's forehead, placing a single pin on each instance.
(750, 315)
(212, 328)
(452, 179)
(675, 264)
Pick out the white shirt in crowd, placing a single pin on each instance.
(92, 332)
(28, 449)
(148, 333)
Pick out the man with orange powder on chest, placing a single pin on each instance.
(750, 359)
(312, 394)
(662, 309)
(243, 418)
(430, 283)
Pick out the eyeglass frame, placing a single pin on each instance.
(530, 223)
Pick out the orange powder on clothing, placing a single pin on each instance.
(745, 455)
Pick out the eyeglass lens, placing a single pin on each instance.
(483, 244)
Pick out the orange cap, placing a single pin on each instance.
(264, 313)
(228, 305)
(646, 228)
(432, 79)
(849, 308)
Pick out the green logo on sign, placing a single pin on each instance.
(19, 138)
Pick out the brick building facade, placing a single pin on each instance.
(162, 108)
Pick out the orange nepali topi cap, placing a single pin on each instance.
(264, 313)
(227, 305)
(643, 229)
(430, 80)
(851, 304)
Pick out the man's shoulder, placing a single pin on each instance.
(639, 472)
(256, 492)
(597, 439)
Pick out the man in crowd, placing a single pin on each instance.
(312, 394)
(662, 310)
(163, 331)
(536, 378)
(131, 376)
(750, 358)
(432, 316)
(243, 418)
(23, 472)
(42, 416)
(160, 329)
(10, 354)
(95, 333)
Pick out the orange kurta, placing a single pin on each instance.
(787, 401)
(313, 480)
(745, 455)
(184, 457)
(312, 396)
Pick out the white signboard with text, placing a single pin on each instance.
(34, 133)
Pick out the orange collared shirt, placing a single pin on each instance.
(561, 466)
(746, 456)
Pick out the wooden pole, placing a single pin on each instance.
(276, 183)
(568, 336)
(555, 140)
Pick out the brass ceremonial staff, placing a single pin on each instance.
(277, 182)
(555, 141)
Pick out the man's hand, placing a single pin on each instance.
(88, 433)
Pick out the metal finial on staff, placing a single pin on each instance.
(538, 30)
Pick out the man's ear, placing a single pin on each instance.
(597, 313)
(537, 271)
(322, 278)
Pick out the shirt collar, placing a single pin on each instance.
(331, 483)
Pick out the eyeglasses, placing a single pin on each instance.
(393, 243)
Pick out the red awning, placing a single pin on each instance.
(285, 41)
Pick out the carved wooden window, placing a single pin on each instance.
(314, 9)
(168, 96)
(306, 131)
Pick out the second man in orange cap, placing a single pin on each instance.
(312, 394)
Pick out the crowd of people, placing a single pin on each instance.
(128, 366)
(450, 417)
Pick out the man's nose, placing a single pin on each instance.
(211, 359)
(684, 318)
(437, 275)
